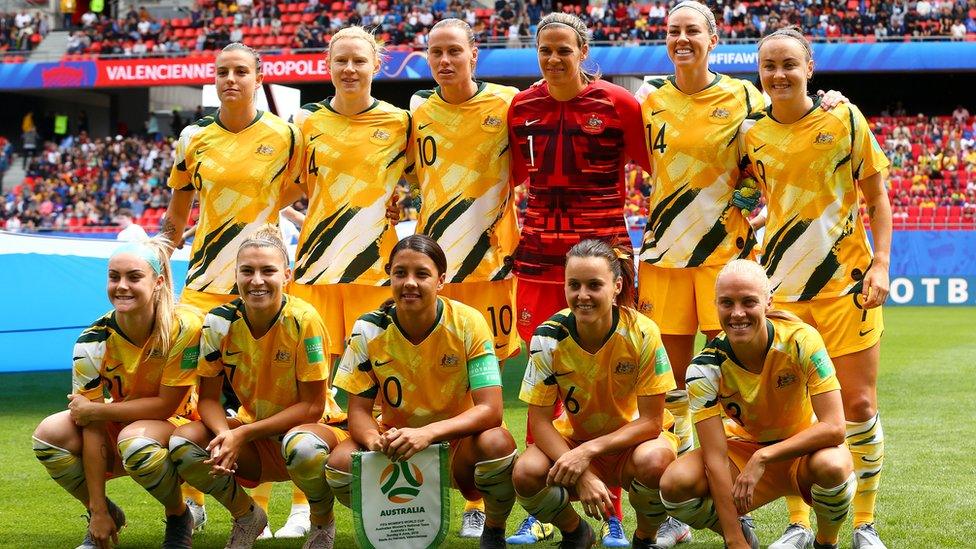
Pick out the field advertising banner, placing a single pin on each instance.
(404, 504)
(492, 63)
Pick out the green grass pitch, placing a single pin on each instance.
(927, 498)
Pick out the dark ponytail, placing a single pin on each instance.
(619, 258)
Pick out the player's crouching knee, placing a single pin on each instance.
(677, 485)
(831, 466)
(494, 443)
(529, 475)
(651, 467)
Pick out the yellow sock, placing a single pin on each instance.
(799, 511)
(476, 505)
(866, 442)
(297, 496)
(262, 495)
(196, 496)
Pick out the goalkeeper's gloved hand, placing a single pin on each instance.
(747, 196)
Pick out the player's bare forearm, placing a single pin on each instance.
(96, 457)
(546, 437)
(879, 213)
(711, 436)
(827, 432)
(485, 414)
(646, 427)
(362, 425)
(308, 409)
(162, 406)
(211, 412)
(177, 214)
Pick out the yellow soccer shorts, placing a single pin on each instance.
(495, 300)
(205, 301)
(340, 306)
(845, 326)
(681, 301)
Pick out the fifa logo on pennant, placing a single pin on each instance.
(400, 482)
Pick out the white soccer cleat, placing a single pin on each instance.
(472, 524)
(796, 536)
(321, 537)
(245, 530)
(266, 533)
(672, 532)
(297, 525)
(866, 537)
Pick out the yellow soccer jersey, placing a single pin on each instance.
(351, 168)
(770, 406)
(417, 385)
(599, 391)
(461, 160)
(815, 245)
(264, 373)
(105, 359)
(239, 177)
(695, 157)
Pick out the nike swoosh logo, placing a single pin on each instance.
(229, 353)
(653, 113)
(530, 122)
(113, 368)
(862, 334)
(422, 126)
(535, 351)
(314, 137)
(378, 363)
(501, 345)
(756, 149)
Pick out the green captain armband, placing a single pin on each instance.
(483, 372)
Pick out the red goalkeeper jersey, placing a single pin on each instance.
(572, 153)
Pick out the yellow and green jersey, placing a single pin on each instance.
(419, 384)
(599, 390)
(772, 405)
(815, 244)
(265, 372)
(351, 168)
(106, 361)
(240, 178)
(695, 157)
(462, 163)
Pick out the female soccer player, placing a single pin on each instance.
(571, 135)
(144, 354)
(812, 166)
(392, 356)
(240, 161)
(606, 363)
(354, 154)
(271, 348)
(459, 128)
(769, 373)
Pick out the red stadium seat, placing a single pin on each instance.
(913, 212)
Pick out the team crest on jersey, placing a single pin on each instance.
(380, 136)
(645, 307)
(593, 125)
(624, 368)
(785, 379)
(720, 114)
(824, 140)
(282, 356)
(265, 150)
(448, 361)
(492, 123)
(525, 317)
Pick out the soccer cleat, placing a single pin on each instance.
(582, 538)
(320, 537)
(117, 515)
(672, 532)
(531, 531)
(612, 534)
(641, 543)
(246, 529)
(492, 538)
(472, 523)
(749, 532)
(179, 531)
(297, 525)
(866, 537)
(796, 536)
(266, 533)
(199, 514)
